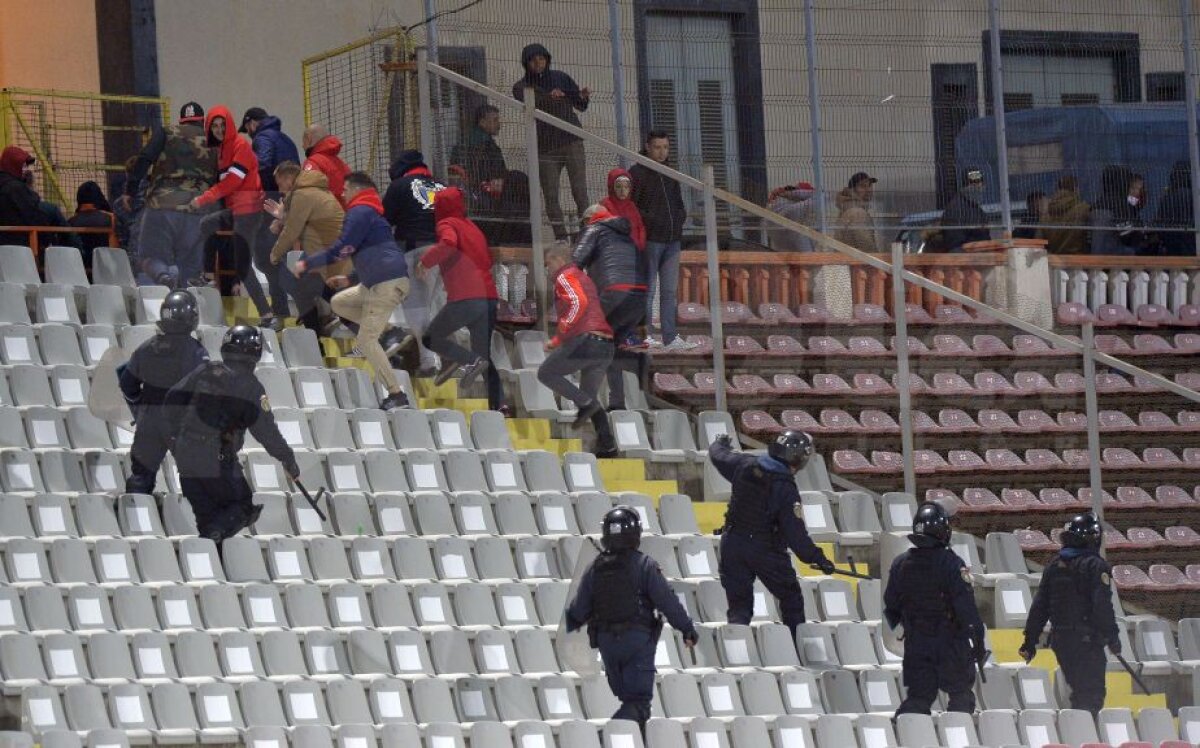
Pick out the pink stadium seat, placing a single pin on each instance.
(981, 500)
(801, 420)
(1112, 314)
(1156, 421)
(871, 314)
(927, 461)
(742, 345)
(1182, 536)
(1077, 458)
(965, 461)
(703, 346)
(705, 381)
(759, 422)
(777, 314)
(1152, 345)
(1164, 744)
(1161, 457)
(955, 421)
(940, 495)
(1021, 500)
(750, 384)
(1037, 421)
(1073, 313)
(1191, 457)
(790, 384)
(923, 423)
(1085, 497)
(691, 313)
(1004, 459)
(1192, 572)
(784, 345)
(916, 346)
(852, 461)
(872, 384)
(950, 383)
(1145, 538)
(734, 313)
(1169, 578)
(812, 314)
(1189, 420)
(954, 315)
(1113, 345)
(1191, 380)
(864, 346)
(1069, 351)
(915, 314)
(1033, 541)
(824, 345)
(1144, 384)
(1043, 459)
(992, 421)
(990, 345)
(1189, 315)
(672, 383)
(916, 383)
(878, 422)
(1172, 497)
(1112, 382)
(1155, 314)
(830, 384)
(1032, 345)
(992, 383)
(1187, 342)
(837, 420)
(888, 462)
(1033, 382)
(951, 345)
(1069, 420)
(1069, 382)
(1059, 498)
(1133, 496)
(1115, 539)
(1115, 420)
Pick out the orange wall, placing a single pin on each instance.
(49, 45)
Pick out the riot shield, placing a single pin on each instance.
(105, 400)
(892, 544)
(573, 649)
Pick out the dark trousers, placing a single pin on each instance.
(742, 561)
(221, 504)
(306, 291)
(146, 453)
(933, 663)
(589, 355)
(171, 243)
(1083, 665)
(479, 317)
(625, 312)
(253, 229)
(551, 163)
(628, 658)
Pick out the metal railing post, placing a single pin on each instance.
(614, 43)
(998, 114)
(902, 370)
(533, 167)
(425, 102)
(714, 281)
(1093, 418)
(814, 110)
(1189, 96)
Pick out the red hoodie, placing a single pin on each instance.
(324, 158)
(578, 306)
(626, 209)
(461, 251)
(238, 183)
(13, 160)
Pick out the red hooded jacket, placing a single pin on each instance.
(461, 251)
(323, 157)
(626, 209)
(237, 183)
(577, 303)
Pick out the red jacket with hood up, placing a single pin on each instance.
(238, 183)
(626, 208)
(323, 156)
(577, 303)
(461, 251)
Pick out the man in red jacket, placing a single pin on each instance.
(462, 255)
(239, 187)
(584, 343)
(321, 153)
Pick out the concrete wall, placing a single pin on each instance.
(41, 49)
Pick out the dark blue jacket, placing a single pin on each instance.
(158, 365)
(549, 136)
(272, 147)
(929, 590)
(655, 594)
(376, 256)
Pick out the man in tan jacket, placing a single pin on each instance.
(855, 226)
(311, 216)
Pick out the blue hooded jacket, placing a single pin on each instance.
(272, 147)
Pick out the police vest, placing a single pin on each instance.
(616, 590)
(185, 168)
(748, 506)
(924, 599)
(1070, 605)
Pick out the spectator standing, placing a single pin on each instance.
(964, 218)
(498, 196)
(794, 203)
(1066, 217)
(855, 224)
(1036, 207)
(18, 201)
(92, 211)
(239, 188)
(618, 202)
(607, 253)
(408, 207)
(321, 153)
(312, 216)
(272, 146)
(462, 255)
(380, 272)
(556, 93)
(176, 166)
(1116, 216)
(1175, 211)
(129, 212)
(583, 345)
(659, 199)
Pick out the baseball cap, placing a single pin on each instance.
(972, 175)
(191, 112)
(254, 113)
(860, 177)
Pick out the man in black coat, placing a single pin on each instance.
(19, 204)
(964, 220)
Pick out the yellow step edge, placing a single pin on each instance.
(620, 468)
(652, 488)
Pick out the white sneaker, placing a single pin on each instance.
(679, 344)
(355, 352)
(653, 342)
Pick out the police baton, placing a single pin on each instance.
(853, 573)
(1136, 679)
(311, 501)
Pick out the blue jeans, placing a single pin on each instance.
(663, 273)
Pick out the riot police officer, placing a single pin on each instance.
(154, 368)
(1075, 595)
(929, 591)
(619, 598)
(764, 519)
(219, 402)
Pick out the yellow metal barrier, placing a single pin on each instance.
(76, 136)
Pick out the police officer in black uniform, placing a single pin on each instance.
(154, 368)
(619, 598)
(218, 402)
(929, 591)
(764, 519)
(1075, 595)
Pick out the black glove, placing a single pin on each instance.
(690, 638)
(1114, 646)
(826, 566)
(292, 469)
(1027, 651)
(979, 649)
(725, 440)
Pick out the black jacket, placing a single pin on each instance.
(1075, 597)
(18, 207)
(158, 365)
(610, 257)
(1175, 212)
(651, 587)
(966, 214)
(481, 156)
(549, 136)
(660, 201)
(408, 202)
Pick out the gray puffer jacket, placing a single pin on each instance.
(610, 257)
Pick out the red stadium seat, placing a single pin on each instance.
(852, 461)
(1192, 572)
(1110, 315)
(916, 384)
(705, 381)
(1173, 497)
(1112, 344)
(992, 383)
(1189, 315)
(1114, 539)
(742, 345)
(927, 461)
(1069, 420)
(1152, 345)
(878, 422)
(1037, 421)
(1021, 500)
(1077, 458)
(784, 345)
(837, 420)
(1154, 314)
(1005, 459)
(965, 461)
(916, 346)
(1191, 380)
(887, 462)
(950, 383)
(1144, 384)
(1034, 541)
(872, 384)
(1161, 457)
(1115, 420)
(812, 314)
(923, 423)
(1074, 314)
(1033, 382)
(871, 314)
(1191, 457)
(1032, 345)
(955, 421)
(735, 312)
(990, 345)
(1187, 342)
(749, 384)
(691, 313)
(951, 345)
(941, 494)
(1182, 536)
(830, 384)
(954, 315)
(864, 346)
(1113, 383)
(1085, 497)
(801, 420)
(1069, 382)
(1145, 538)
(992, 421)
(981, 500)
(825, 345)
(777, 314)
(1043, 459)
(1170, 579)
(759, 422)
(1133, 496)
(915, 314)
(1155, 421)
(1059, 498)
(790, 384)
(672, 383)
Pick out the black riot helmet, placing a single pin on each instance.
(792, 448)
(622, 530)
(242, 345)
(1083, 531)
(179, 313)
(931, 526)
